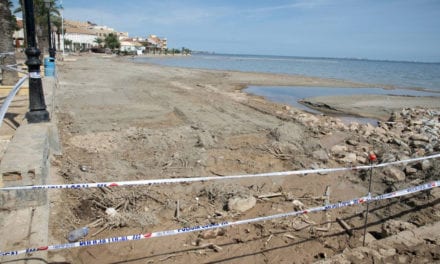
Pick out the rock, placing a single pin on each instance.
(419, 137)
(352, 142)
(416, 122)
(308, 119)
(213, 233)
(286, 107)
(368, 129)
(387, 157)
(387, 252)
(353, 126)
(298, 205)
(380, 131)
(205, 140)
(361, 160)
(399, 142)
(339, 149)
(321, 155)
(383, 125)
(394, 117)
(316, 166)
(394, 174)
(240, 204)
(349, 158)
(410, 171)
(84, 168)
(393, 227)
(423, 165)
(368, 238)
(286, 132)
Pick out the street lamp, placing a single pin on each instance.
(37, 106)
(52, 50)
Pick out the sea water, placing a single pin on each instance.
(394, 73)
(423, 78)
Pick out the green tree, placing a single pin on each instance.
(112, 42)
(98, 41)
(7, 27)
(57, 22)
(186, 51)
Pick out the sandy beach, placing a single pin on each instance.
(121, 120)
(374, 106)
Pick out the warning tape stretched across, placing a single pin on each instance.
(209, 178)
(183, 230)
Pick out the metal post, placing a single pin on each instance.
(37, 106)
(62, 26)
(49, 29)
(372, 157)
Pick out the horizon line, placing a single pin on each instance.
(317, 57)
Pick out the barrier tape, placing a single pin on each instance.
(9, 98)
(208, 178)
(184, 230)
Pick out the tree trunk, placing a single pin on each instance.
(6, 43)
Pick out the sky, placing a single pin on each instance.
(407, 30)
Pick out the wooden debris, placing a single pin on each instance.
(270, 195)
(177, 213)
(100, 230)
(211, 246)
(345, 226)
(327, 213)
(268, 240)
(289, 236)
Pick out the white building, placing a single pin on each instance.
(83, 35)
(132, 46)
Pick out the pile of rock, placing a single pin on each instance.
(407, 134)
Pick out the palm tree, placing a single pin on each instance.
(56, 21)
(7, 27)
(98, 41)
(40, 11)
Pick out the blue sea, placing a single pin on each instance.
(407, 78)
(395, 73)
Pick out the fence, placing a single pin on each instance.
(14, 90)
(356, 201)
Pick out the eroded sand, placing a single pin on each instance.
(125, 121)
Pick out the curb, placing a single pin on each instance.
(24, 217)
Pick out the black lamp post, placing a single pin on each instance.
(52, 50)
(37, 106)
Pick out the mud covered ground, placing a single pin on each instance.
(124, 121)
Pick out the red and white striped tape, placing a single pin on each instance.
(184, 230)
(210, 178)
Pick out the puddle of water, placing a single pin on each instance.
(292, 94)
